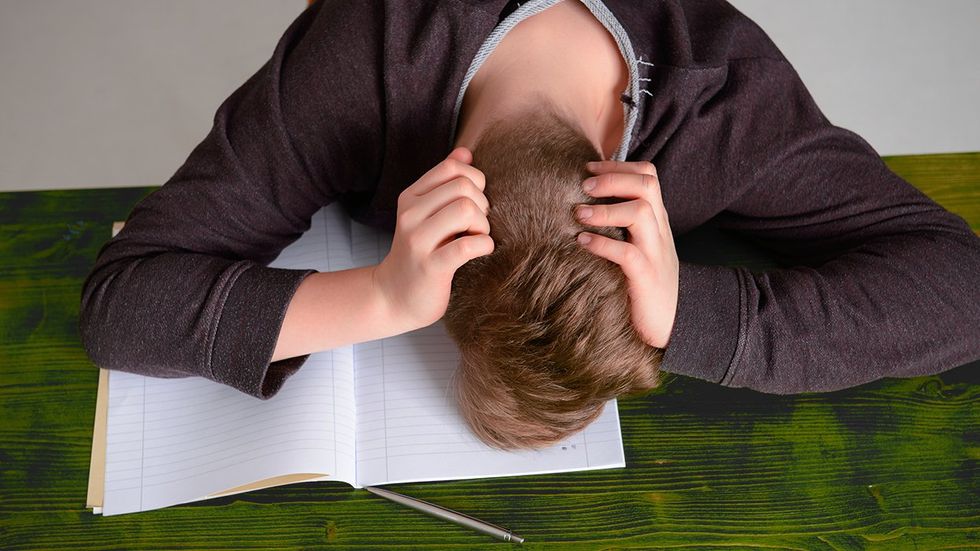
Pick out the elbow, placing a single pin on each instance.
(106, 334)
(112, 333)
(92, 317)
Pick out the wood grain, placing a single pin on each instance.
(888, 465)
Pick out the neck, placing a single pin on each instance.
(599, 115)
(561, 56)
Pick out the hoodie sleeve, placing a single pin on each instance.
(883, 281)
(185, 288)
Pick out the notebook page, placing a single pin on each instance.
(330, 228)
(408, 426)
(172, 441)
(326, 247)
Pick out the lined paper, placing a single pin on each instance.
(171, 441)
(408, 426)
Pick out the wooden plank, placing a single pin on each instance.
(950, 179)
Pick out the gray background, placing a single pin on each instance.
(107, 93)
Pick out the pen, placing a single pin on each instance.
(447, 514)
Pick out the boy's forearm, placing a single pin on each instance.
(331, 309)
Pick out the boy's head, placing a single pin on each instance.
(542, 324)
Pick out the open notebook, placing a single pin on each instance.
(370, 413)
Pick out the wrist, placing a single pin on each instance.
(389, 314)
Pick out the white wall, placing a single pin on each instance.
(904, 74)
(117, 92)
(101, 93)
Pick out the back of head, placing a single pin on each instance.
(542, 324)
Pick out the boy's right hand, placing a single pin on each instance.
(416, 276)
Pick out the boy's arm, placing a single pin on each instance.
(337, 308)
(184, 289)
(885, 283)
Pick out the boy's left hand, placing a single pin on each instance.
(648, 258)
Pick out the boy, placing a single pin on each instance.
(694, 111)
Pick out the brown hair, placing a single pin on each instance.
(543, 325)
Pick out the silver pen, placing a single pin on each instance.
(447, 514)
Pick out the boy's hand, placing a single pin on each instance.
(441, 224)
(647, 258)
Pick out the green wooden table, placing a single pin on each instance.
(892, 464)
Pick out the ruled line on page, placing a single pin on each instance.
(220, 469)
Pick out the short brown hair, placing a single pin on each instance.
(543, 325)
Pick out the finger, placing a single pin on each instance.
(624, 184)
(461, 154)
(629, 257)
(449, 257)
(632, 167)
(633, 186)
(426, 205)
(459, 216)
(451, 167)
(637, 216)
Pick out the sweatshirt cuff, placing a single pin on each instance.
(706, 326)
(248, 328)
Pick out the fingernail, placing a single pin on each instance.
(584, 238)
(583, 212)
(588, 185)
